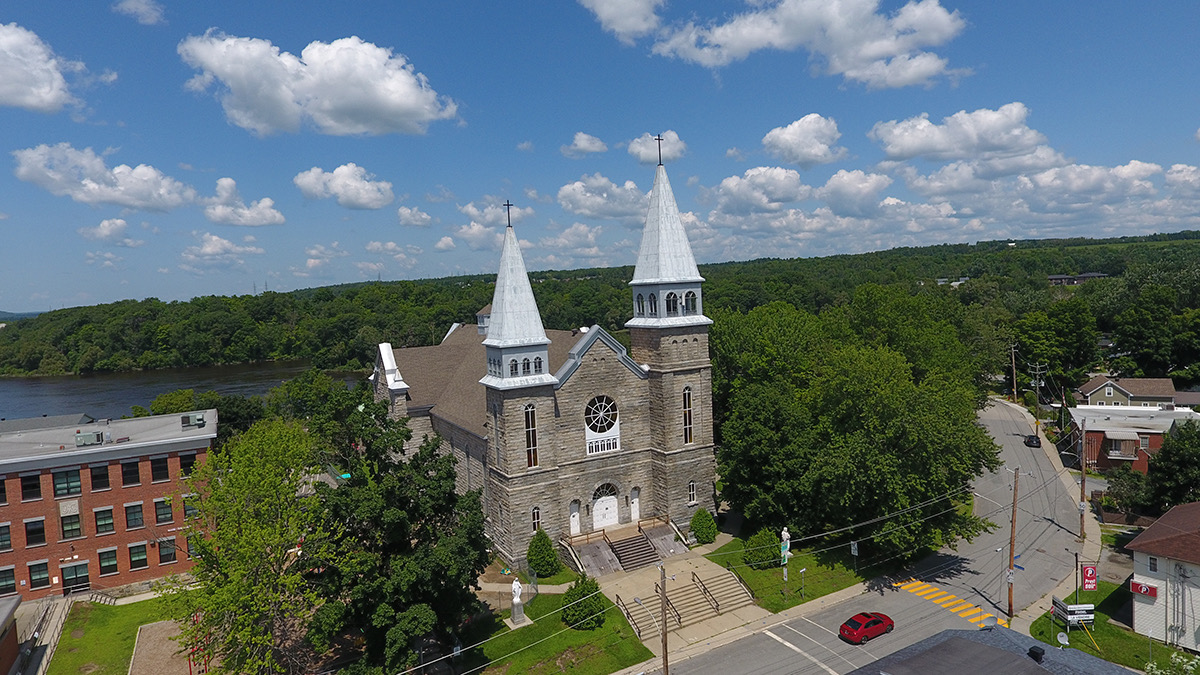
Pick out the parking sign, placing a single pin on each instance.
(1089, 577)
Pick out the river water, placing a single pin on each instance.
(114, 394)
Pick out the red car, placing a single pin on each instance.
(864, 626)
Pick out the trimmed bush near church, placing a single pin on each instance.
(762, 550)
(541, 556)
(704, 527)
(583, 609)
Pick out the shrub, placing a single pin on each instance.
(541, 556)
(704, 527)
(762, 550)
(588, 612)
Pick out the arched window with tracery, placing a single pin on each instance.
(640, 307)
(537, 365)
(689, 302)
(512, 368)
(687, 415)
(537, 518)
(691, 492)
(653, 305)
(525, 367)
(672, 304)
(531, 440)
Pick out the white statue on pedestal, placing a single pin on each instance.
(516, 591)
(785, 536)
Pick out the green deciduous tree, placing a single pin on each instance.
(762, 550)
(583, 608)
(1175, 470)
(1130, 491)
(250, 603)
(541, 556)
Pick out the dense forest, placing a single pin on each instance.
(1149, 306)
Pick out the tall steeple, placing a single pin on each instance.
(516, 341)
(666, 281)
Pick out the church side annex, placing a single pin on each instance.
(563, 430)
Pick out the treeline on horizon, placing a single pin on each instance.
(1148, 304)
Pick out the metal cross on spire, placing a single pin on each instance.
(508, 209)
(659, 138)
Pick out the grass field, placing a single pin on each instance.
(98, 639)
(546, 645)
(1117, 644)
(825, 574)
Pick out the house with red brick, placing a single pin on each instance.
(95, 504)
(1112, 436)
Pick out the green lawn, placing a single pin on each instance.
(564, 576)
(1117, 537)
(609, 648)
(98, 639)
(824, 575)
(1117, 644)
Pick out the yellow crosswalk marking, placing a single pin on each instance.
(929, 591)
(906, 584)
(947, 600)
(936, 596)
(956, 606)
(969, 612)
(951, 603)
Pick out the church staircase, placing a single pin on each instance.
(635, 552)
(690, 602)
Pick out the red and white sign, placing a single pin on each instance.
(1143, 589)
(1089, 577)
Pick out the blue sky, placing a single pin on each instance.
(173, 149)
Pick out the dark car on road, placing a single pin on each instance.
(1033, 441)
(864, 626)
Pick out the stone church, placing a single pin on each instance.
(566, 431)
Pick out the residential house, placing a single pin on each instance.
(1166, 578)
(1112, 436)
(95, 504)
(1142, 392)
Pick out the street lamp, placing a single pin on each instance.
(638, 602)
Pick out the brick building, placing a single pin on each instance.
(566, 431)
(95, 504)
(1131, 435)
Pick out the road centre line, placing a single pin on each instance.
(801, 652)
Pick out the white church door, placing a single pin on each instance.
(635, 508)
(574, 518)
(604, 507)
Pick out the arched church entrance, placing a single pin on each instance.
(604, 507)
(574, 517)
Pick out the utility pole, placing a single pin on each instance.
(662, 594)
(1012, 545)
(1014, 372)
(1082, 477)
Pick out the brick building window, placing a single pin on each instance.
(687, 415)
(537, 518)
(100, 478)
(5, 537)
(189, 507)
(162, 511)
(8, 581)
(158, 470)
(691, 492)
(35, 532)
(71, 527)
(186, 462)
(166, 551)
(137, 557)
(39, 575)
(31, 487)
(104, 521)
(133, 516)
(108, 562)
(67, 483)
(3, 491)
(130, 474)
(531, 443)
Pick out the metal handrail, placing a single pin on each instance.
(706, 593)
(678, 619)
(741, 582)
(629, 616)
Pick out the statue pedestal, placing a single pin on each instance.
(518, 612)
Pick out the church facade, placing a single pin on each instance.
(566, 431)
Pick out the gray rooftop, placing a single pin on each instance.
(40, 448)
(514, 318)
(44, 422)
(665, 255)
(1130, 418)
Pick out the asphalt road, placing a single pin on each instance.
(1047, 527)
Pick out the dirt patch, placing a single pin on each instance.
(155, 653)
(88, 668)
(77, 634)
(494, 574)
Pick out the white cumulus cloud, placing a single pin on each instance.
(102, 258)
(645, 147)
(582, 145)
(963, 135)
(31, 76)
(494, 213)
(577, 241)
(111, 230)
(345, 87)
(761, 189)
(853, 193)
(596, 196)
(851, 38)
(227, 208)
(350, 184)
(444, 244)
(413, 216)
(213, 252)
(83, 176)
(808, 141)
(627, 19)
(146, 12)
(480, 237)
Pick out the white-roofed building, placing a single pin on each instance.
(1116, 435)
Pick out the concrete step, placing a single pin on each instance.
(634, 553)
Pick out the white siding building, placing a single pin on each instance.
(1166, 578)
